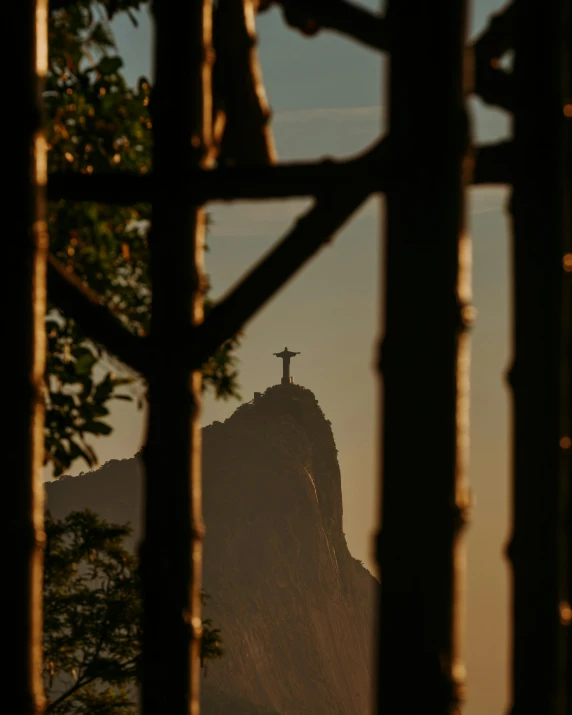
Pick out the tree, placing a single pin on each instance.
(97, 123)
(92, 616)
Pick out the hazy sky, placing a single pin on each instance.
(327, 95)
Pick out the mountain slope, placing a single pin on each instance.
(295, 609)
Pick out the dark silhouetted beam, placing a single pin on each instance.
(425, 365)
(541, 374)
(280, 181)
(23, 327)
(171, 552)
(243, 183)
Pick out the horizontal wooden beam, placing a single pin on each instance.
(288, 180)
(242, 183)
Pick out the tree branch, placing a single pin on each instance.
(81, 683)
(75, 299)
(309, 16)
(50, 707)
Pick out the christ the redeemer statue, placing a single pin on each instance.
(286, 355)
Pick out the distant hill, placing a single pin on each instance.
(295, 608)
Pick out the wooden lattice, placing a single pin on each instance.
(213, 141)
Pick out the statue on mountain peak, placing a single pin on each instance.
(286, 356)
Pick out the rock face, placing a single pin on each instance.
(295, 609)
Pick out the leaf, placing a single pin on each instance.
(97, 428)
(103, 390)
(101, 35)
(110, 65)
(76, 451)
(84, 363)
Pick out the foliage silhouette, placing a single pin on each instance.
(92, 616)
(97, 123)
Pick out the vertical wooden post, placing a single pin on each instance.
(541, 372)
(424, 362)
(25, 253)
(171, 553)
